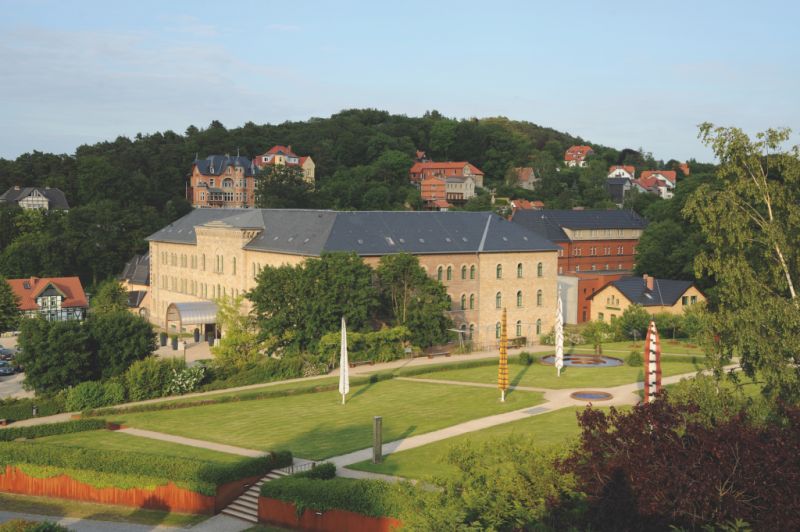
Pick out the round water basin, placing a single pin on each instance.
(585, 361)
(591, 395)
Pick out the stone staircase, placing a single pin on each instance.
(246, 506)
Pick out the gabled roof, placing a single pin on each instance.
(282, 150)
(217, 164)
(135, 298)
(630, 169)
(54, 196)
(577, 153)
(524, 204)
(419, 167)
(525, 174)
(29, 289)
(549, 222)
(667, 174)
(137, 270)
(665, 292)
(368, 233)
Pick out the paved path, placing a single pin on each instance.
(191, 442)
(90, 525)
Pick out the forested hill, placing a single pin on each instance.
(121, 191)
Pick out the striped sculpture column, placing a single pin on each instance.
(502, 370)
(652, 364)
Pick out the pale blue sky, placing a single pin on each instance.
(624, 74)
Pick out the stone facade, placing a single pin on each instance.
(609, 303)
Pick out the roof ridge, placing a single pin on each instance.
(485, 232)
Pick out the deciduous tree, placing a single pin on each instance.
(9, 307)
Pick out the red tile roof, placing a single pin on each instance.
(420, 167)
(524, 174)
(285, 150)
(28, 289)
(667, 174)
(578, 153)
(526, 205)
(630, 169)
(441, 204)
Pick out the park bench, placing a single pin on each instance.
(439, 354)
(362, 363)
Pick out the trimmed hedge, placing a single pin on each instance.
(244, 396)
(374, 498)
(324, 471)
(477, 363)
(19, 409)
(40, 431)
(20, 525)
(201, 476)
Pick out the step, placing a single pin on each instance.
(249, 497)
(244, 506)
(241, 515)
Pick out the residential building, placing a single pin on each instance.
(576, 155)
(655, 295)
(135, 278)
(618, 188)
(283, 155)
(526, 178)
(684, 168)
(486, 262)
(463, 169)
(433, 191)
(660, 182)
(525, 205)
(53, 298)
(35, 198)
(222, 181)
(628, 172)
(597, 246)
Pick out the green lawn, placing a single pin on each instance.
(317, 426)
(559, 427)
(624, 348)
(544, 376)
(114, 441)
(100, 512)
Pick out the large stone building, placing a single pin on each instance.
(485, 261)
(597, 247)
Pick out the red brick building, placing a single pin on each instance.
(222, 181)
(596, 246)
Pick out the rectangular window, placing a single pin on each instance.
(693, 300)
(684, 301)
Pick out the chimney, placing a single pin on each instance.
(648, 281)
(16, 187)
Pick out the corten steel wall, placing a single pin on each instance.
(169, 497)
(284, 514)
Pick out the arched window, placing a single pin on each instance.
(472, 272)
(498, 300)
(538, 326)
(519, 298)
(471, 330)
(539, 270)
(471, 301)
(203, 257)
(227, 183)
(463, 330)
(449, 301)
(449, 273)
(439, 272)
(463, 301)
(519, 328)
(538, 298)
(497, 330)
(499, 271)
(463, 273)
(519, 270)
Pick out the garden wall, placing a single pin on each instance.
(284, 514)
(168, 497)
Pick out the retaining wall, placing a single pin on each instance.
(284, 513)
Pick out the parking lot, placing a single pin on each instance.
(11, 386)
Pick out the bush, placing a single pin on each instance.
(384, 345)
(632, 323)
(526, 359)
(186, 380)
(198, 475)
(324, 471)
(115, 392)
(375, 498)
(19, 409)
(151, 377)
(20, 525)
(89, 394)
(267, 370)
(635, 359)
(40, 431)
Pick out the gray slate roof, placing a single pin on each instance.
(665, 291)
(137, 270)
(368, 233)
(217, 164)
(549, 222)
(55, 196)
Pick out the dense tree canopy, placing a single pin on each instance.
(9, 309)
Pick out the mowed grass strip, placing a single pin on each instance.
(623, 348)
(116, 441)
(318, 426)
(558, 427)
(539, 375)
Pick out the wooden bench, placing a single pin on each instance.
(439, 354)
(362, 363)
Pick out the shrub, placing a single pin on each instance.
(20, 525)
(114, 392)
(324, 471)
(384, 345)
(197, 475)
(635, 359)
(86, 395)
(151, 377)
(19, 409)
(526, 359)
(632, 323)
(375, 498)
(185, 380)
(40, 431)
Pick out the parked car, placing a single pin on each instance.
(6, 368)
(7, 353)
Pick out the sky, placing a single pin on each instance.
(618, 73)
